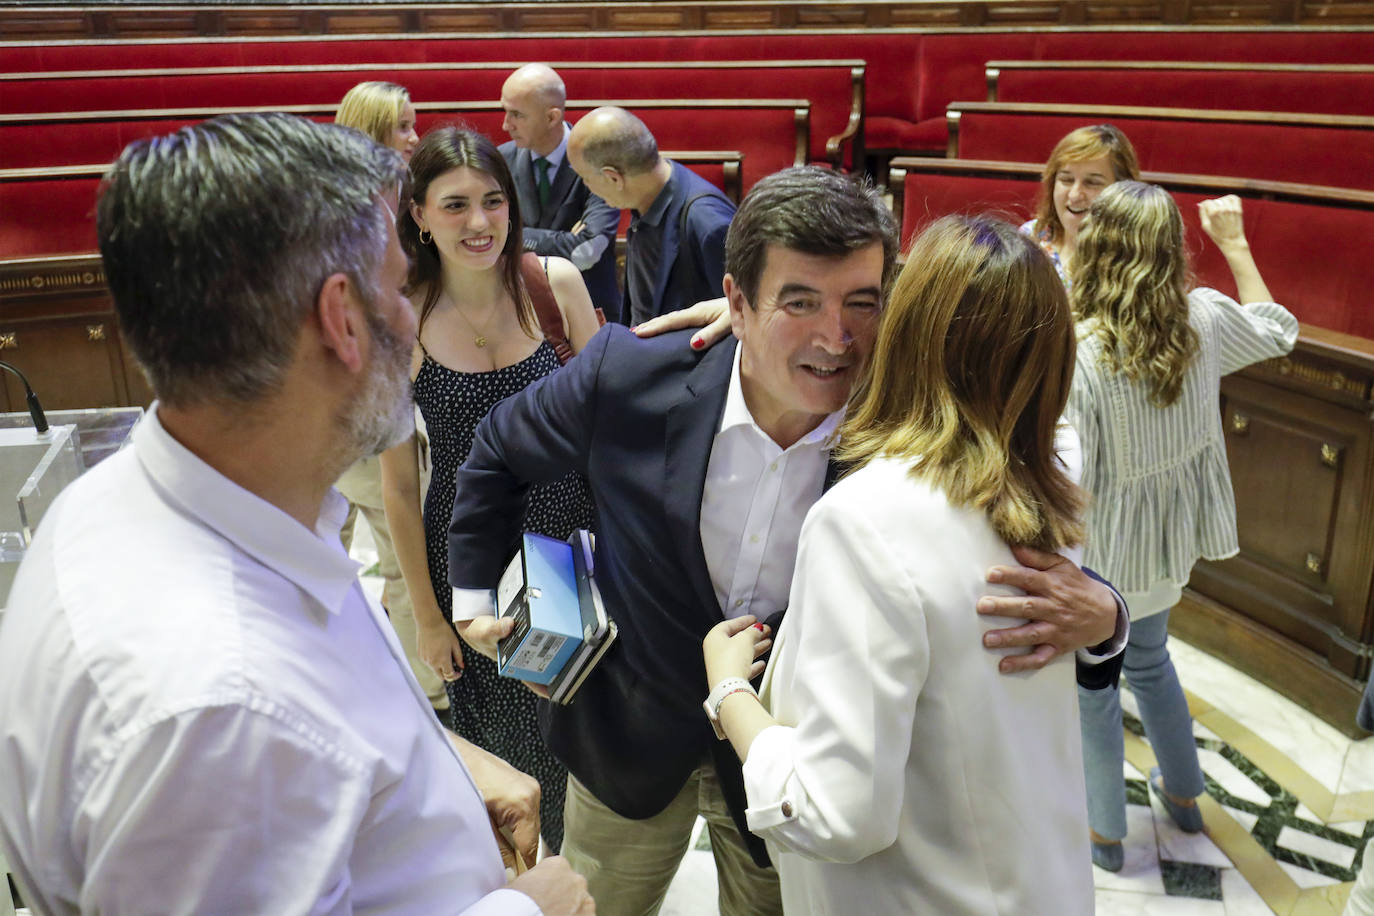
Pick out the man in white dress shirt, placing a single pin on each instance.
(200, 709)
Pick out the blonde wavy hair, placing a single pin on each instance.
(1100, 141)
(1130, 278)
(375, 108)
(969, 376)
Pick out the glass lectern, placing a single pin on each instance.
(35, 467)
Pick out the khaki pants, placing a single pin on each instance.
(362, 485)
(629, 864)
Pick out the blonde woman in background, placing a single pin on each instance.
(888, 765)
(1145, 395)
(1081, 166)
(384, 112)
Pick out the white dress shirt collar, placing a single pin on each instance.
(314, 561)
(560, 152)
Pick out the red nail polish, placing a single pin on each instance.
(697, 343)
(759, 627)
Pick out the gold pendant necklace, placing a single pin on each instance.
(479, 337)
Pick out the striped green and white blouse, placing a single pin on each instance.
(1160, 486)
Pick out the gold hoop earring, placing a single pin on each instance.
(426, 236)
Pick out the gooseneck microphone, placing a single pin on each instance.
(40, 422)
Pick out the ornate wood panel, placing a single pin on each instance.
(58, 326)
(191, 20)
(1295, 608)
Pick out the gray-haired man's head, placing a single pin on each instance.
(216, 240)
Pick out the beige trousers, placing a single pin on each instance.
(362, 485)
(629, 864)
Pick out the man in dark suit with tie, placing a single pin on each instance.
(562, 217)
(675, 250)
(702, 466)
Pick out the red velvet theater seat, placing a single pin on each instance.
(1308, 242)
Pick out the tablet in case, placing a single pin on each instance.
(561, 627)
(539, 590)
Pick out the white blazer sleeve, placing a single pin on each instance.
(830, 786)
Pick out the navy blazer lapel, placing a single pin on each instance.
(691, 428)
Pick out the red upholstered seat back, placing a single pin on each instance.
(1311, 255)
(1310, 154)
(1240, 90)
(765, 135)
(828, 88)
(892, 57)
(48, 216)
(929, 197)
(56, 215)
(912, 76)
(39, 145)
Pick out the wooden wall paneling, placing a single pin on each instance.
(57, 324)
(72, 359)
(1299, 445)
(1292, 530)
(458, 19)
(1297, 673)
(193, 20)
(1335, 12)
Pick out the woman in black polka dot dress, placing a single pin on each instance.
(479, 342)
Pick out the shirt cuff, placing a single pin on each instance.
(473, 602)
(504, 902)
(767, 771)
(1096, 655)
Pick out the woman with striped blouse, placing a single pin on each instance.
(1145, 403)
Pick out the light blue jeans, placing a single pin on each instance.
(1163, 711)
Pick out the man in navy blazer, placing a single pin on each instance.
(675, 247)
(702, 466)
(567, 219)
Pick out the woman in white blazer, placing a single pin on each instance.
(888, 764)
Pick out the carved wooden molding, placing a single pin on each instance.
(173, 21)
(1298, 366)
(28, 278)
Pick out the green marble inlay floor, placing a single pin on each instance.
(1272, 818)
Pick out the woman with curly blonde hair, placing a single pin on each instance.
(1145, 403)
